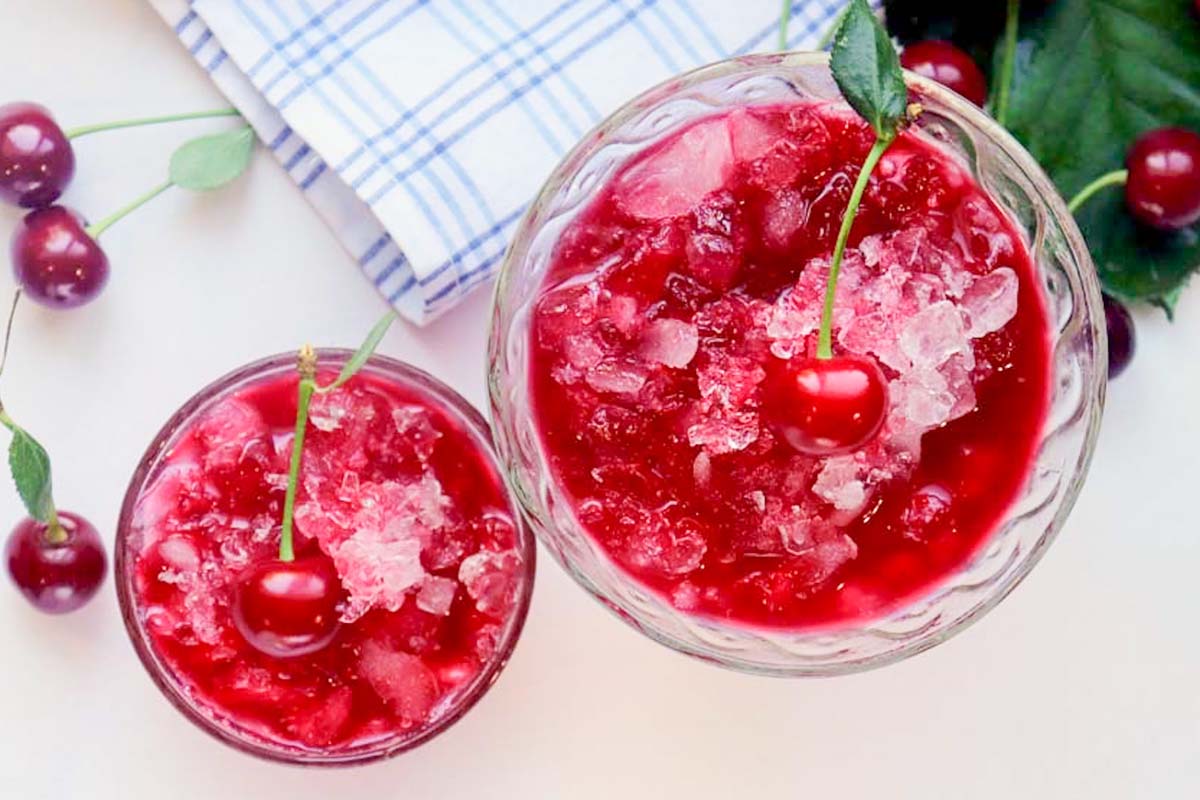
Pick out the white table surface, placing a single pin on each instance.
(1084, 683)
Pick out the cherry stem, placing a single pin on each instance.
(825, 338)
(306, 365)
(1008, 65)
(1115, 178)
(95, 229)
(8, 329)
(84, 130)
(55, 533)
(785, 21)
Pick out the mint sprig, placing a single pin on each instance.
(306, 365)
(867, 71)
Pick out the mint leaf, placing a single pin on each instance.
(363, 352)
(210, 162)
(1092, 76)
(867, 70)
(31, 473)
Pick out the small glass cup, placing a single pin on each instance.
(212, 720)
(1078, 364)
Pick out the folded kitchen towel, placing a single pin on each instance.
(421, 129)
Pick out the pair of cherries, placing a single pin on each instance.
(55, 259)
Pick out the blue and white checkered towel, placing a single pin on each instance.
(421, 129)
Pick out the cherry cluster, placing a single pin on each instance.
(1161, 176)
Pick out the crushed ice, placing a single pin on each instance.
(906, 299)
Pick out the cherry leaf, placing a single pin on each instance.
(363, 352)
(867, 70)
(210, 162)
(1091, 75)
(1095, 74)
(30, 467)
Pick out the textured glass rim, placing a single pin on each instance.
(1084, 292)
(216, 725)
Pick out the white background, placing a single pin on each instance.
(1084, 683)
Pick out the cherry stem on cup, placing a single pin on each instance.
(306, 365)
(1008, 64)
(95, 229)
(785, 21)
(84, 130)
(1116, 178)
(825, 337)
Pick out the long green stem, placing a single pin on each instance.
(8, 329)
(1117, 178)
(84, 130)
(94, 230)
(307, 366)
(785, 20)
(54, 530)
(825, 338)
(1009, 62)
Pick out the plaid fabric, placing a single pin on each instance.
(421, 129)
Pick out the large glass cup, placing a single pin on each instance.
(1072, 298)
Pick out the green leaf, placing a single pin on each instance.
(209, 162)
(1134, 262)
(867, 70)
(31, 473)
(1092, 75)
(1168, 302)
(363, 352)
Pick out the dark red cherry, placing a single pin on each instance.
(288, 608)
(36, 159)
(54, 259)
(56, 577)
(1163, 189)
(949, 66)
(823, 407)
(1122, 336)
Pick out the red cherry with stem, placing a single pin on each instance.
(823, 407)
(55, 260)
(1163, 188)
(288, 608)
(1122, 336)
(36, 159)
(949, 66)
(57, 566)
